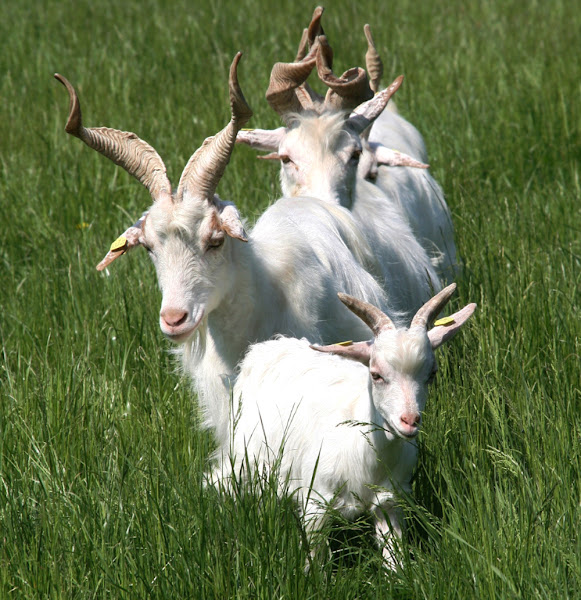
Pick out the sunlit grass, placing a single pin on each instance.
(101, 452)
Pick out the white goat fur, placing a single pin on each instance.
(285, 280)
(323, 153)
(414, 191)
(333, 433)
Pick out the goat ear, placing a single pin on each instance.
(394, 158)
(359, 351)
(261, 139)
(128, 240)
(442, 333)
(230, 220)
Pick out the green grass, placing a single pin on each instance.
(101, 454)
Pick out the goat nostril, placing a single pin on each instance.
(411, 419)
(173, 317)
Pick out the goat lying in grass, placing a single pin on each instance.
(221, 288)
(339, 421)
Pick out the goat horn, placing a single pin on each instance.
(303, 46)
(432, 307)
(207, 165)
(310, 34)
(372, 61)
(306, 95)
(285, 80)
(288, 91)
(374, 318)
(345, 92)
(315, 28)
(364, 114)
(124, 148)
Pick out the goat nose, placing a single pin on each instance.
(173, 316)
(412, 419)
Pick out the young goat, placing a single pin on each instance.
(221, 288)
(339, 421)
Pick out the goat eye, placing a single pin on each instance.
(356, 155)
(215, 241)
(285, 159)
(376, 376)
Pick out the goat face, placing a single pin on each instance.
(402, 364)
(319, 156)
(401, 361)
(189, 246)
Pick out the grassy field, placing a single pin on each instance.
(101, 454)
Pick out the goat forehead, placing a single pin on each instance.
(325, 132)
(183, 220)
(408, 352)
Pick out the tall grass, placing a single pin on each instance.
(101, 452)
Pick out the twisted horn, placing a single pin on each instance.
(432, 307)
(288, 91)
(286, 79)
(345, 92)
(372, 60)
(315, 28)
(207, 165)
(124, 148)
(303, 46)
(374, 318)
(310, 34)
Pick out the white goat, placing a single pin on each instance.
(319, 153)
(221, 294)
(414, 191)
(338, 427)
(400, 174)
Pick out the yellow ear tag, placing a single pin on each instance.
(444, 321)
(119, 244)
(348, 343)
(251, 129)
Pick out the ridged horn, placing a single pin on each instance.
(345, 92)
(285, 80)
(303, 46)
(374, 318)
(432, 307)
(373, 61)
(124, 148)
(315, 28)
(207, 165)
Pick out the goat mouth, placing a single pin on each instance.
(185, 331)
(406, 435)
(409, 435)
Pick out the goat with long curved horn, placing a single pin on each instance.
(199, 179)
